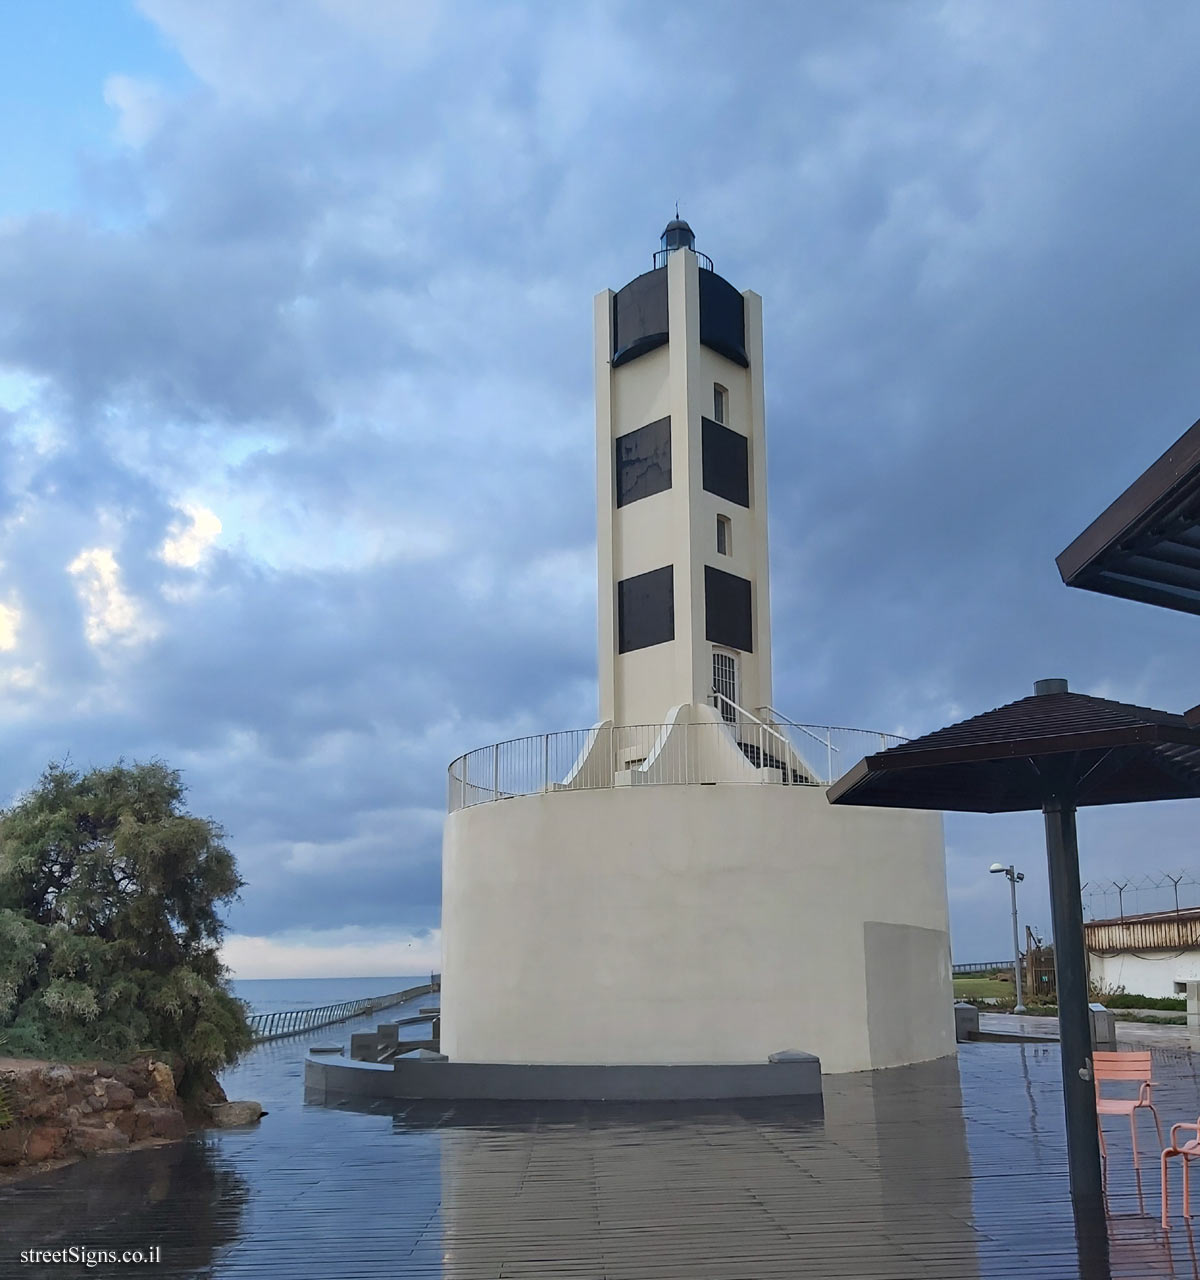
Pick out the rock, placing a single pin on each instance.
(166, 1122)
(12, 1145)
(42, 1108)
(126, 1121)
(153, 1121)
(101, 1120)
(67, 1112)
(90, 1141)
(230, 1115)
(162, 1088)
(45, 1142)
(118, 1096)
(135, 1077)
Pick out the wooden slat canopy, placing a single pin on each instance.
(1146, 545)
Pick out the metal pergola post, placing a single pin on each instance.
(1075, 1032)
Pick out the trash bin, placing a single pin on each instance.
(966, 1022)
(1104, 1027)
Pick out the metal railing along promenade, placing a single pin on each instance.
(290, 1022)
(995, 966)
(739, 748)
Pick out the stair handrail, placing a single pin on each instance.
(749, 715)
(830, 730)
(795, 724)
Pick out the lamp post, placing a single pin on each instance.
(1014, 876)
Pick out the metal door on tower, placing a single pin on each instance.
(725, 684)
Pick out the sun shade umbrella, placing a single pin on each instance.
(1054, 751)
(1146, 545)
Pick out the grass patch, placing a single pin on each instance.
(981, 988)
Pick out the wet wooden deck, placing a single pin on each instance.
(945, 1170)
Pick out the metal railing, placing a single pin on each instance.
(839, 749)
(661, 256)
(739, 748)
(995, 966)
(290, 1022)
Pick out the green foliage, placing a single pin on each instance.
(1124, 1000)
(6, 1105)
(110, 896)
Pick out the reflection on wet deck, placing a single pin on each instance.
(943, 1170)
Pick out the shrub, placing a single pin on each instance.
(109, 923)
(1123, 1000)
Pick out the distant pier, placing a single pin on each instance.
(291, 1022)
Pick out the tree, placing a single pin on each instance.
(109, 923)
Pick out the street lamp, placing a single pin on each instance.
(1014, 876)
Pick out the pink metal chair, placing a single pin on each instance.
(1131, 1068)
(1189, 1151)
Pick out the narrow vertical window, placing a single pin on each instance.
(724, 536)
(720, 396)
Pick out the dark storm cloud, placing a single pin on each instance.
(341, 297)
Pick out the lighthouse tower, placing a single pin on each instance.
(666, 899)
(684, 603)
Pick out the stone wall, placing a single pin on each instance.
(62, 1111)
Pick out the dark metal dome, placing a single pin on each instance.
(678, 235)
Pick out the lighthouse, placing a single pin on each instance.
(684, 599)
(665, 899)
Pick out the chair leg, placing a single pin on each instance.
(1133, 1137)
(1157, 1125)
(1166, 1225)
(1187, 1204)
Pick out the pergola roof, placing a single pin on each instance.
(1146, 545)
(1090, 750)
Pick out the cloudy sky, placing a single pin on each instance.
(296, 473)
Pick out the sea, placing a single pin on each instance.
(271, 995)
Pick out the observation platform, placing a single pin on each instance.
(696, 746)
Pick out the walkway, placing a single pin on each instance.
(1134, 1035)
(944, 1170)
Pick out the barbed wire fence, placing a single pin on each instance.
(1138, 895)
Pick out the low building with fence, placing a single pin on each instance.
(1156, 953)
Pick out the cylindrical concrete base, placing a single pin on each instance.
(694, 924)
